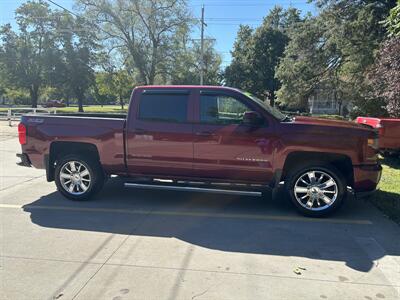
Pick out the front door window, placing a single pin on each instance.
(222, 110)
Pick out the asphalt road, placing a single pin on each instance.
(133, 244)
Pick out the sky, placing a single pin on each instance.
(223, 17)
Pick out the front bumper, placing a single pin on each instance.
(366, 178)
(24, 160)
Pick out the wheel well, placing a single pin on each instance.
(341, 162)
(60, 149)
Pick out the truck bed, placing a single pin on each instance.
(389, 131)
(105, 131)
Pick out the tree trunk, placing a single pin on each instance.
(79, 95)
(335, 94)
(80, 105)
(121, 101)
(272, 98)
(34, 93)
(154, 54)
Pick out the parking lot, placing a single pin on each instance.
(134, 244)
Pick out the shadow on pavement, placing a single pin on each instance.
(280, 237)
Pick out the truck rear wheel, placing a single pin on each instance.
(316, 190)
(78, 177)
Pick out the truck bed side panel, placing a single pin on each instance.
(105, 133)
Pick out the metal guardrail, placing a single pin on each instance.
(19, 111)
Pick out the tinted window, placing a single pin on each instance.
(166, 108)
(221, 109)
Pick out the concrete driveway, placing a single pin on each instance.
(133, 244)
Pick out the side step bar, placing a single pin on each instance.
(192, 189)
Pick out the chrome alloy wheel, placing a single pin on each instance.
(75, 177)
(316, 190)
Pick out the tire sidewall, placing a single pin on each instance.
(93, 168)
(330, 170)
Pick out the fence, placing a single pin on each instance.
(14, 114)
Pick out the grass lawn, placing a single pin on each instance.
(94, 109)
(387, 198)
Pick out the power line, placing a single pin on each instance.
(248, 4)
(234, 24)
(78, 16)
(244, 1)
(234, 19)
(62, 7)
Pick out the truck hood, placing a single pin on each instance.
(328, 122)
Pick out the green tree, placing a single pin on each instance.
(333, 50)
(392, 23)
(269, 44)
(385, 77)
(77, 44)
(305, 64)
(114, 85)
(239, 72)
(141, 31)
(185, 64)
(257, 53)
(27, 55)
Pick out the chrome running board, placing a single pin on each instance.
(192, 189)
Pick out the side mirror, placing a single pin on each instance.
(252, 118)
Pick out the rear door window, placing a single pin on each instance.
(164, 107)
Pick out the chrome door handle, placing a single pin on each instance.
(204, 133)
(139, 131)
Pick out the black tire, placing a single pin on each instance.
(294, 177)
(96, 177)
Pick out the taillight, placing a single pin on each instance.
(373, 143)
(22, 133)
(381, 129)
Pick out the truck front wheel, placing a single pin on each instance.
(316, 190)
(78, 177)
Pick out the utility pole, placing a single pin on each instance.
(202, 47)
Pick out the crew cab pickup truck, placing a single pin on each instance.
(389, 132)
(204, 139)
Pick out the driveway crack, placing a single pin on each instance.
(112, 254)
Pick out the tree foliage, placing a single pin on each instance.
(102, 53)
(141, 31)
(50, 48)
(392, 23)
(335, 50)
(27, 55)
(114, 85)
(257, 53)
(385, 76)
(186, 64)
(239, 72)
(77, 48)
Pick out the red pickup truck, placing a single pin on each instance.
(204, 139)
(389, 132)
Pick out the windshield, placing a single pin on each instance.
(272, 110)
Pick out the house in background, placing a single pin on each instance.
(324, 101)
